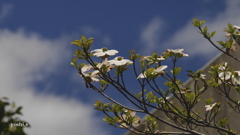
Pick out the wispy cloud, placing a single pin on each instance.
(6, 9)
(194, 43)
(150, 35)
(188, 38)
(27, 58)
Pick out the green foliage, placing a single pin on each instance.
(10, 124)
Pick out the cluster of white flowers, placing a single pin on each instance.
(118, 61)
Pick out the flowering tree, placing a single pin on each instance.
(149, 72)
(9, 123)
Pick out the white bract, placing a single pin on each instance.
(202, 76)
(105, 63)
(86, 68)
(223, 66)
(119, 61)
(233, 79)
(225, 75)
(142, 75)
(160, 69)
(237, 27)
(93, 75)
(210, 107)
(104, 52)
(236, 79)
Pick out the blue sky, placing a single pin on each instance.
(35, 51)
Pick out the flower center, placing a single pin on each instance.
(119, 58)
(104, 49)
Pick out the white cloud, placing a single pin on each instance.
(150, 35)
(189, 39)
(27, 58)
(5, 11)
(106, 40)
(194, 43)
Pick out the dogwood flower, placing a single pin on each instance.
(149, 58)
(225, 75)
(178, 51)
(210, 107)
(223, 66)
(236, 78)
(104, 52)
(106, 64)
(119, 61)
(93, 76)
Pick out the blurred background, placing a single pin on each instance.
(35, 52)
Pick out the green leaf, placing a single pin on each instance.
(84, 38)
(201, 23)
(213, 33)
(18, 111)
(208, 101)
(167, 92)
(177, 70)
(205, 30)
(74, 62)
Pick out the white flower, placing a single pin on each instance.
(93, 75)
(179, 51)
(223, 66)
(236, 78)
(163, 101)
(160, 70)
(202, 76)
(237, 27)
(210, 107)
(119, 61)
(106, 63)
(149, 58)
(225, 75)
(104, 52)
